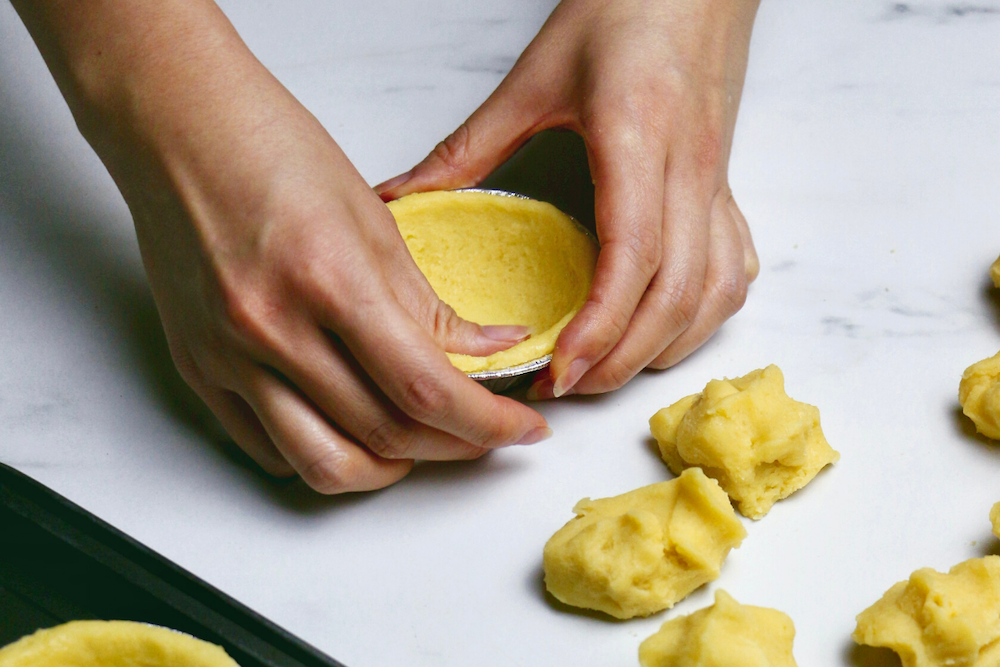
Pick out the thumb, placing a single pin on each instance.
(481, 144)
(456, 334)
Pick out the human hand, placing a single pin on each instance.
(653, 88)
(290, 302)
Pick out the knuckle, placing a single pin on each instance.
(613, 320)
(454, 150)
(332, 472)
(640, 247)
(662, 362)
(245, 316)
(615, 374)
(424, 398)
(388, 440)
(708, 148)
(446, 321)
(680, 304)
(730, 290)
(645, 248)
(490, 436)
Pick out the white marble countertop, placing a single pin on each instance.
(867, 159)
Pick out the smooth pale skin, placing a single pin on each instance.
(643, 551)
(747, 433)
(112, 644)
(287, 296)
(938, 620)
(500, 260)
(727, 634)
(979, 394)
(995, 519)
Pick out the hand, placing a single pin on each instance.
(289, 300)
(653, 88)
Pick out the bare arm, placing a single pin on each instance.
(289, 301)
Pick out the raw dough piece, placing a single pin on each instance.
(995, 272)
(112, 644)
(500, 260)
(979, 394)
(747, 433)
(939, 619)
(995, 519)
(642, 551)
(727, 634)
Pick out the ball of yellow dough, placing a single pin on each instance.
(938, 620)
(500, 260)
(979, 394)
(995, 272)
(112, 644)
(750, 435)
(642, 551)
(995, 519)
(727, 634)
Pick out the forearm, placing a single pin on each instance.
(139, 70)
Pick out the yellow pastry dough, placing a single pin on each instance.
(500, 260)
(727, 634)
(747, 433)
(642, 551)
(112, 644)
(937, 619)
(995, 519)
(995, 272)
(979, 394)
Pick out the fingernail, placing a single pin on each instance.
(506, 333)
(540, 391)
(570, 377)
(381, 188)
(536, 435)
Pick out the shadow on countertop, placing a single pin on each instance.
(967, 428)
(870, 656)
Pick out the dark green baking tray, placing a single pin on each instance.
(58, 563)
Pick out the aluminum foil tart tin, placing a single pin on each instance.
(503, 379)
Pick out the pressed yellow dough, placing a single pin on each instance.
(642, 551)
(995, 272)
(979, 394)
(747, 433)
(112, 644)
(727, 634)
(995, 519)
(500, 260)
(937, 619)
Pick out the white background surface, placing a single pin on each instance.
(867, 158)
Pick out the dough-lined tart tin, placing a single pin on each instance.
(504, 379)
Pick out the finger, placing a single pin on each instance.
(455, 334)
(405, 362)
(628, 172)
(325, 459)
(672, 300)
(750, 260)
(411, 288)
(325, 372)
(240, 422)
(725, 290)
(481, 144)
